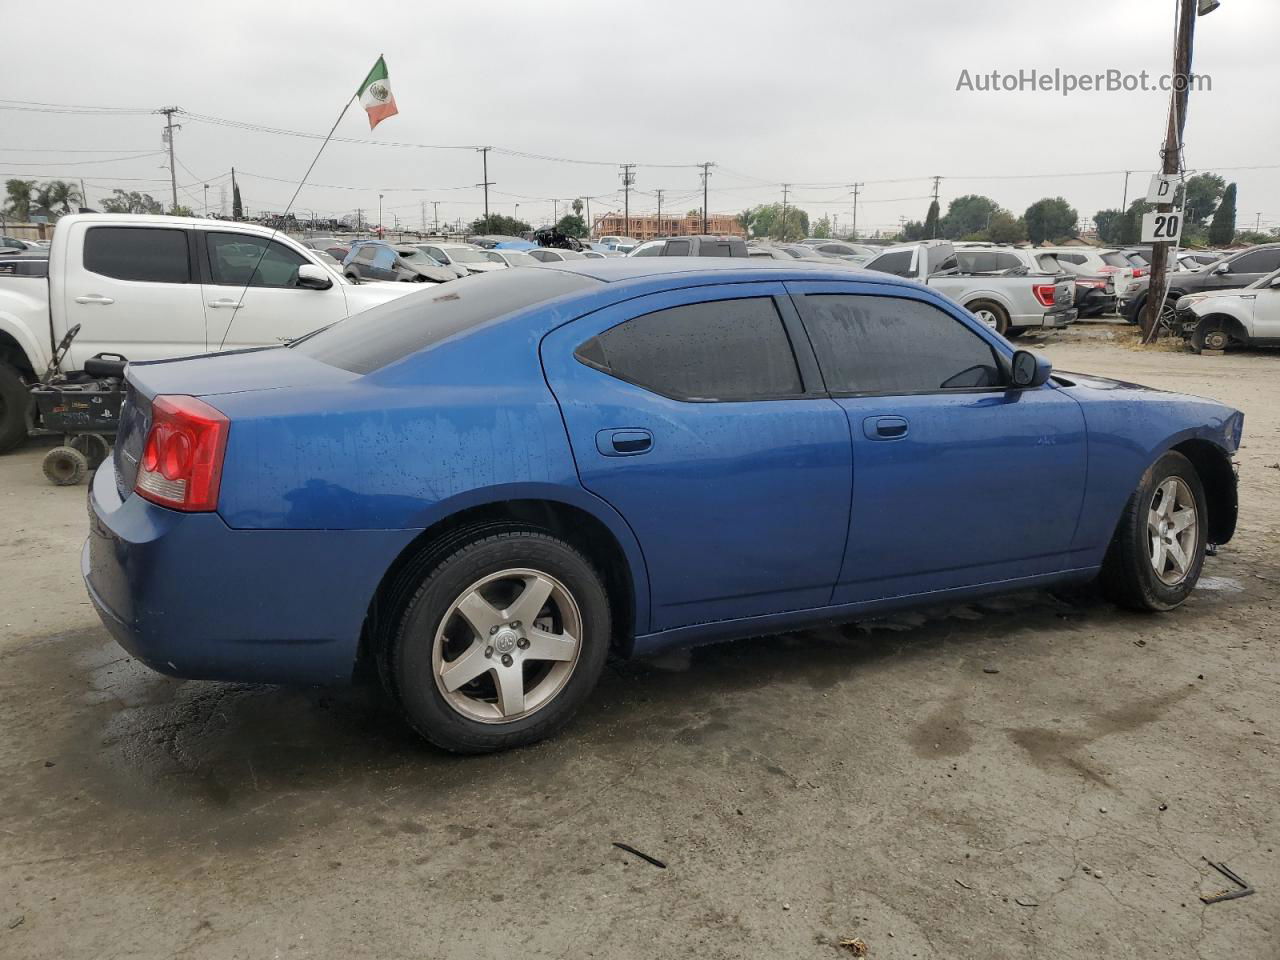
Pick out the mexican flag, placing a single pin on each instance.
(375, 95)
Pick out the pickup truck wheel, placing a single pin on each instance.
(65, 466)
(992, 314)
(15, 403)
(504, 639)
(1157, 552)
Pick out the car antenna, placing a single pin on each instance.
(377, 113)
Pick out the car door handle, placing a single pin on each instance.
(224, 303)
(885, 428)
(624, 443)
(94, 298)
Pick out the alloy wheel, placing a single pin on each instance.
(507, 645)
(1173, 531)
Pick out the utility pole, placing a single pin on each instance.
(856, 188)
(435, 205)
(484, 152)
(589, 224)
(658, 231)
(84, 196)
(1257, 227)
(555, 212)
(785, 188)
(1124, 203)
(937, 182)
(706, 174)
(1171, 158)
(168, 137)
(379, 227)
(359, 220)
(628, 178)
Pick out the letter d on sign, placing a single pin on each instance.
(1162, 188)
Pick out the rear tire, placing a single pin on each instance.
(527, 678)
(1153, 563)
(65, 466)
(989, 311)
(15, 404)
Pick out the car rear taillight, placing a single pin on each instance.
(181, 465)
(1139, 272)
(1044, 293)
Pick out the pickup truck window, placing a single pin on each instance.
(677, 248)
(233, 256)
(892, 345)
(142, 254)
(898, 263)
(987, 261)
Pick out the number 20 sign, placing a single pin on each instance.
(1158, 227)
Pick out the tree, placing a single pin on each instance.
(1252, 237)
(931, 221)
(1109, 223)
(1006, 228)
(577, 207)
(1131, 227)
(181, 211)
(968, 214)
(237, 208)
(572, 225)
(1203, 191)
(767, 222)
(1050, 218)
(121, 201)
(497, 223)
(64, 195)
(18, 197)
(822, 229)
(745, 219)
(1223, 229)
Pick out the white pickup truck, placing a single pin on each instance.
(1010, 304)
(151, 288)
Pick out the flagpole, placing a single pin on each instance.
(302, 183)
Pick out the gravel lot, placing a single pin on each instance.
(880, 781)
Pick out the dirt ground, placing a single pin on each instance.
(881, 781)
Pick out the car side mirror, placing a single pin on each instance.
(1222, 268)
(1030, 369)
(1275, 282)
(311, 277)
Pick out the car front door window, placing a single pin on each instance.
(242, 260)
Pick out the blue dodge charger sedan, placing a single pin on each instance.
(484, 489)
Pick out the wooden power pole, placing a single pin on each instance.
(1171, 161)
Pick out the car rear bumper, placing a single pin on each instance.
(1060, 318)
(191, 597)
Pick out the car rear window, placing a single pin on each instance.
(1115, 260)
(391, 331)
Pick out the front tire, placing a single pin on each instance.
(1157, 552)
(501, 643)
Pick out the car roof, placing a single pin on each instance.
(721, 270)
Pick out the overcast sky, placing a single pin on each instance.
(815, 93)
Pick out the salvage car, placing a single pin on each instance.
(479, 492)
(1233, 318)
(379, 260)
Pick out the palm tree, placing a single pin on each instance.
(63, 194)
(18, 195)
(745, 218)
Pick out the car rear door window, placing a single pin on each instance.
(898, 263)
(143, 254)
(238, 259)
(722, 350)
(895, 345)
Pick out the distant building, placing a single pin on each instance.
(646, 226)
